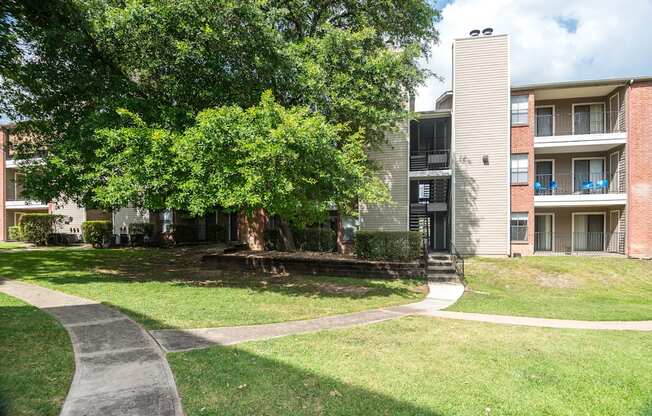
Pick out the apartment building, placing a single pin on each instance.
(501, 169)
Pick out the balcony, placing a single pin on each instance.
(576, 190)
(584, 129)
(430, 163)
(19, 203)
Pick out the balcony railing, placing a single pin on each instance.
(429, 160)
(580, 184)
(594, 122)
(579, 242)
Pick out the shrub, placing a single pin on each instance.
(97, 232)
(272, 239)
(35, 228)
(216, 232)
(389, 245)
(315, 239)
(184, 233)
(14, 233)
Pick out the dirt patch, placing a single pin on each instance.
(556, 281)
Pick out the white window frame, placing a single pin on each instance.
(527, 229)
(552, 214)
(604, 114)
(604, 228)
(511, 168)
(611, 111)
(604, 167)
(544, 160)
(511, 110)
(553, 118)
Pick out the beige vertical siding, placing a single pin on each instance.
(481, 128)
(393, 160)
(125, 216)
(74, 216)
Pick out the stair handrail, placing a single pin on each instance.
(458, 261)
(424, 245)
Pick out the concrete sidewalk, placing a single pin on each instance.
(119, 368)
(440, 296)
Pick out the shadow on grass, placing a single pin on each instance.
(179, 267)
(233, 381)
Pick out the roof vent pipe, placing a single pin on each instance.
(474, 33)
(488, 31)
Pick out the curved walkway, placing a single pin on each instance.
(440, 296)
(119, 368)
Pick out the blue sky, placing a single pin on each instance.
(552, 40)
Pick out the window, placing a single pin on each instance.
(544, 123)
(166, 220)
(350, 226)
(519, 109)
(424, 192)
(520, 168)
(519, 226)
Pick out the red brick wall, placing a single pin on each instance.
(639, 170)
(522, 141)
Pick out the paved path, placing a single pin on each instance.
(440, 296)
(544, 322)
(119, 368)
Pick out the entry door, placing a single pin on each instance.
(543, 233)
(587, 174)
(614, 235)
(588, 234)
(440, 228)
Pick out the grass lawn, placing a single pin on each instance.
(11, 245)
(423, 366)
(589, 288)
(166, 288)
(36, 360)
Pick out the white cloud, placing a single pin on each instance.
(612, 39)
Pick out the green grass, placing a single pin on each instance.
(589, 288)
(167, 289)
(12, 245)
(423, 366)
(36, 360)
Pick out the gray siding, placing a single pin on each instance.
(393, 161)
(74, 216)
(481, 104)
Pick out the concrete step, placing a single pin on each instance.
(440, 269)
(440, 257)
(440, 263)
(443, 277)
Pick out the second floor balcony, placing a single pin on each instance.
(577, 190)
(421, 160)
(583, 120)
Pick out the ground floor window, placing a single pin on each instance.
(519, 226)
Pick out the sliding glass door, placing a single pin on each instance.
(588, 119)
(588, 232)
(543, 232)
(589, 175)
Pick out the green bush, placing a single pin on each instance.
(315, 239)
(97, 232)
(216, 232)
(35, 228)
(389, 245)
(184, 233)
(272, 239)
(15, 233)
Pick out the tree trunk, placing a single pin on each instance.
(342, 247)
(287, 238)
(252, 229)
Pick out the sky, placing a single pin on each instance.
(551, 40)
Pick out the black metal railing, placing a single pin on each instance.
(579, 184)
(579, 122)
(579, 242)
(458, 261)
(429, 160)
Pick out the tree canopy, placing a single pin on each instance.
(159, 103)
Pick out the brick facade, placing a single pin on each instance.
(639, 193)
(522, 195)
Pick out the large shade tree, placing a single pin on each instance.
(157, 103)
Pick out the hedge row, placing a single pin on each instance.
(36, 228)
(389, 245)
(97, 233)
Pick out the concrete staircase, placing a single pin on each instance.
(440, 268)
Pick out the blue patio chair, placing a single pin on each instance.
(603, 183)
(537, 186)
(553, 186)
(587, 185)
